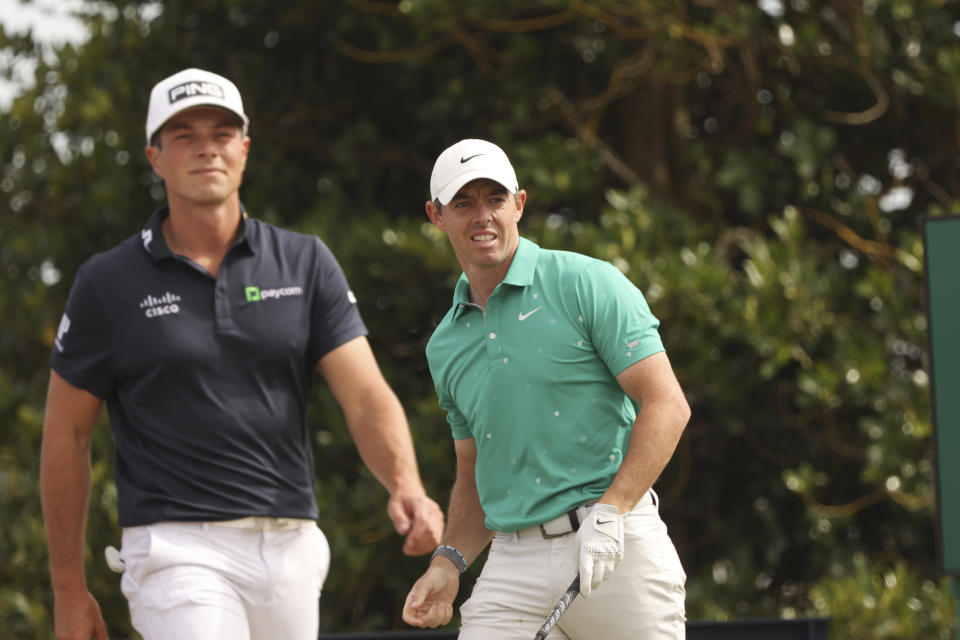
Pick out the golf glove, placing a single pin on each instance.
(600, 539)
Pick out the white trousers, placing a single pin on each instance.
(193, 581)
(525, 575)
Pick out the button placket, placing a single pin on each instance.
(223, 312)
(494, 339)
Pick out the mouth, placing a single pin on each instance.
(207, 171)
(483, 237)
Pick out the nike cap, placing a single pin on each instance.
(192, 88)
(468, 160)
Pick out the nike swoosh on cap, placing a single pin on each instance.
(469, 158)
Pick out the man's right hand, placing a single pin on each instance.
(430, 601)
(77, 616)
(419, 518)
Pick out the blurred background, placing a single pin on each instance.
(758, 169)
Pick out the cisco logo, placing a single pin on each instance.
(165, 305)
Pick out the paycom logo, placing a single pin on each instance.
(256, 294)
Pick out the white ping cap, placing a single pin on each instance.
(468, 160)
(192, 88)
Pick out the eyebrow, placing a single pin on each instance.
(493, 191)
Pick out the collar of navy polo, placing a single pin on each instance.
(155, 244)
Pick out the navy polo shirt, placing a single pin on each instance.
(206, 379)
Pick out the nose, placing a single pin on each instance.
(206, 146)
(483, 212)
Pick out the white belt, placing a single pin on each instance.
(567, 523)
(570, 521)
(259, 523)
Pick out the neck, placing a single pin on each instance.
(480, 291)
(202, 233)
(483, 280)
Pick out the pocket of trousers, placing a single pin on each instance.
(644, 524)
(321, 554)
(136, 543)
(158, 558)
(647, 534)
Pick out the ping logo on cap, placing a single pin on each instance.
(190, 89)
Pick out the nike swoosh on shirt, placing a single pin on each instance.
(599, 521)
(524, 316)
(469, 158)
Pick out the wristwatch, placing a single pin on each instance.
(451, 554)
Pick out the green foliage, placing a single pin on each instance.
(759, 175)
(872, 601)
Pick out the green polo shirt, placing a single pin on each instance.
(532, 380)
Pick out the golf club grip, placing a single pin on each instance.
(558, 610)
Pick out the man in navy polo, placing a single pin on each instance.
(202, 334)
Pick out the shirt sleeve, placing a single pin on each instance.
(335, 317)
(619, 321)
(458, 423)
(83, 351)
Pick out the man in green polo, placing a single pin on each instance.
(564, 411)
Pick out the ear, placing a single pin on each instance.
(435, 214)
(246, 150)
(153, 155)
(521, 201)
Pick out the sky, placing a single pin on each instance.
(51, 23)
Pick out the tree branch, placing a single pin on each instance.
(369, 6)
(387, 57)
(846, 510)
(486, 57)
(848, 235)
(589, 138)
(868, 115)
(526, 25)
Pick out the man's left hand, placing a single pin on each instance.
(600, 539)
(419, 518)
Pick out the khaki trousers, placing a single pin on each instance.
(525, 574)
